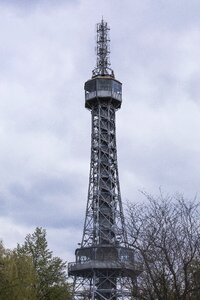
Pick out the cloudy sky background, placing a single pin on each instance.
(46, 55)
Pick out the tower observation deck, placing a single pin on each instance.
(105, 266)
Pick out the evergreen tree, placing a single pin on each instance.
(51, 271)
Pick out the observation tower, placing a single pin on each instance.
(105, 265)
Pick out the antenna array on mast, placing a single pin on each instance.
(103, 51)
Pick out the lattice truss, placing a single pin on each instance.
(103, 285)
(104, 222)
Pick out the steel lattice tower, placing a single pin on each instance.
(105, 266)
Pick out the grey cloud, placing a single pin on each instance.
(51, 201)
(30, 5)
(45, 56)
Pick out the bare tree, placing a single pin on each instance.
(165, 232)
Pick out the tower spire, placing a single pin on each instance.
(103, 51)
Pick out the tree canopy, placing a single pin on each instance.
(17, 276)
(165, 234)
(31, 271)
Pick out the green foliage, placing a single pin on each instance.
(17, 276)
(30, 272)
(51, 271)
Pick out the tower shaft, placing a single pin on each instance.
(105, 266)
(104, 224)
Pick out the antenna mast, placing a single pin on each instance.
(103, 51)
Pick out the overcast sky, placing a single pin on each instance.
(46, 55)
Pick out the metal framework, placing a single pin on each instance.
(103, 51)
(104, 223)
(105, 267)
